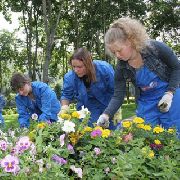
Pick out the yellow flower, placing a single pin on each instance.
(65, 116)
(141, 126)
(74, 137)
(87, 129)
(41, 125)
(126, 124)
(157, 141)
(138, 120)
(171, 130)
(106, 133)
(98, 127)
(158, 129)
(75, 114)
(151, 154)
(147, 127)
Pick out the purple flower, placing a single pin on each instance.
(10, 164)
(23, 144)
(3, 145)
(96, 132)
(58, 160)
(156, 147)
(70, 148)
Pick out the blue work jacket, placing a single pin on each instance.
(101, 90)
(45, 104)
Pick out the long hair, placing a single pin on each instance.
(127, 28)
(18, 80)
(85, 56)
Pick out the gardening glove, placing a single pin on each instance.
(103, 121)
(165, 102)
(64, 109)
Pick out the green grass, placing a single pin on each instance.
(11, 121)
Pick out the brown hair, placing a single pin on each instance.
(18, 80)
(127, 28)
(84, 55)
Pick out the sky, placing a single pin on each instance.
(6, 25)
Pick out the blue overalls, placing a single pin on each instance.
(97, 96)
(152, 90)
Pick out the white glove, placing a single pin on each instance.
(64, 109)
(103, 121)
(165, 102)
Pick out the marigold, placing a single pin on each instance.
(151, 154)
(41, 125)
(171, 130)
(157, 141)
(87, 129)
(98, 127)
(138, 120)
(106, 133)
(74, 137)
(147, 127)
(126, 124)
(75, 114)
(158, 129)
(141, 126)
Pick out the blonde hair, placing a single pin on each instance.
(84, 55)
(127, 28)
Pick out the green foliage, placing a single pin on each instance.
(136, 151)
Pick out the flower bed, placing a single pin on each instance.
(69, 149)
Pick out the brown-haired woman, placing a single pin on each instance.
(90, 83)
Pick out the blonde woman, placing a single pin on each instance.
(152, 67)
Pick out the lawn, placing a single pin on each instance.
(128, 110)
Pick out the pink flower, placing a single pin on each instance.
(96, 133)
(128, 137)
(61, 139)
(97, 151)
(10, 164)
(78, 171)
(3, 145)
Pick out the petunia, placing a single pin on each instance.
(68, 126)
(61, 139)
(78, 171)
(70, 148)
(59, 160)
(97, 151)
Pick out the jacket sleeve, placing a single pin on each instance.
(166, 54)
(119, 92)
(2, 102)
(24, 115)
(46, 98)
(68, 88)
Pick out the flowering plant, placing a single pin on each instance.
(71, 149)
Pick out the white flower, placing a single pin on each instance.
(83, 112)
(68, 126)
(34, 116)
(60, 120)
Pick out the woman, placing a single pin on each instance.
(90, 84)
(34, 97)
(152, 67)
